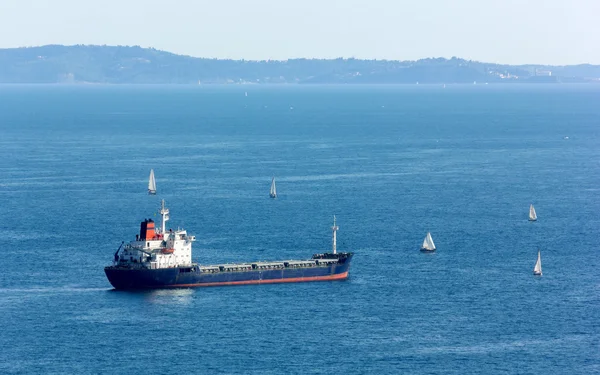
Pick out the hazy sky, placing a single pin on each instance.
(505, 31)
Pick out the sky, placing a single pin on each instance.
(557, 32)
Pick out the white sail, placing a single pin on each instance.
(273, 191)
(151, 183)
(428, 242)
(532, 214)
(537, 270)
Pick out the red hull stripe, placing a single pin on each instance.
(340, 276)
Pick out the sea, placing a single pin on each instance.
(391, 162)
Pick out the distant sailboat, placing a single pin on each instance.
(273, 192)
(428, 244)
(151, 183)
(532, 214)
(537, 270)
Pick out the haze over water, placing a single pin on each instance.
(391, 162)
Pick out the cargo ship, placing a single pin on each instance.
(163, 259)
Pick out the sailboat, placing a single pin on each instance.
(537, 270)
(532, 214)
(273, 191)
(428, 244)
(151, 183)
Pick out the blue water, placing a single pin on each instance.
(392, 162)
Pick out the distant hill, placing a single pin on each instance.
(120, 64)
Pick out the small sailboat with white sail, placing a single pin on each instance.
(428, 245)
(273, 191)
(532, 214)
(537, 269)
(151, 183)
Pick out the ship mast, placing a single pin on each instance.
(165, 216)
(334, 228)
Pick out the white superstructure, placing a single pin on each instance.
(157, 248)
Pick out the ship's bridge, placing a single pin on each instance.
(157, 248)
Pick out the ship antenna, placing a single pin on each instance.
(165, 216)
(334, 240)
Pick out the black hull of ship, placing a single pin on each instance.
(193, 276)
